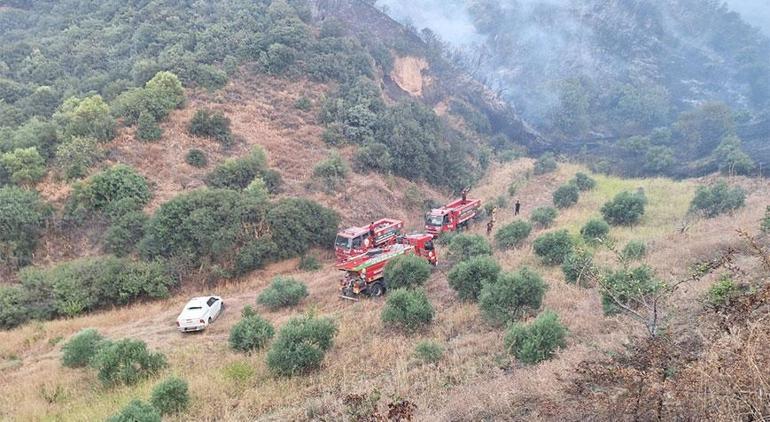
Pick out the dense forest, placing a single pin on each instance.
(675, 82)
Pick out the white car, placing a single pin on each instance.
(199, 313)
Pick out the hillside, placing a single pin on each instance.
(475, 380)
(154, 151)
(596, 76)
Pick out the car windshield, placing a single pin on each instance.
(342, 242)
(435, 220)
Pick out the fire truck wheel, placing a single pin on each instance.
(376, 290)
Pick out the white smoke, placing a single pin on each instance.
(447, 18)
(755, 12)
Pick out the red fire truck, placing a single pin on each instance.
(452, 216)
(364, 273)
(355, 241)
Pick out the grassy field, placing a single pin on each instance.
(475, 380)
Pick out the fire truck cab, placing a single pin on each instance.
(355, 241)
(452, 216)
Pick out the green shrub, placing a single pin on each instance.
(209, 77)
(202, 225)
(334, 136)
(14, 310)
(465, 246)
(301, 345)
(634, 250)
(123, 235)
(595, 230)
(160, 95)
(273, 180)
(626, 209)
(22, 216)
(164, 93)
(566, 196)
(81, 348)
(87, 284)
(238, 173)
(732, 159)
(309, 263)
(299, 224)
(147, 128)
(251, 333)
(407, 310)
(254, 255)
(282, 293)
(373, 156)
(89, 117)
(114, 184)
(627, 287)
(137, 411)
(578, 267)
(765, 224)
(584, 182)
(76, 156)
(171, 396)
(545, 164)
(406, 271)
(211, 124)
(420, 146)
(196, 158)
(257, 189)
(25, 165)
(429, 351)
(538, 341)
(717, 199)
(35, 133)
(331, 173)
(511, 235)
(278, 58)
(553, 247)
(511, 295)
(126, 362)
(119, 208)
(722, 292)
(544, 216)
(468, 277)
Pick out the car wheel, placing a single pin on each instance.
(376, 290)
(209, 321)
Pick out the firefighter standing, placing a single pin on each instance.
(491, 223)
(516, 207)
(371, 232)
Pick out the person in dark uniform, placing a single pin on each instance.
(465, 194)
(490, 225)
(516, 207)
